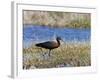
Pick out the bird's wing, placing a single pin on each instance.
(49, 44)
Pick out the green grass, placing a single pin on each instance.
(67, 55)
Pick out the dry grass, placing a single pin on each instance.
(67, 55)
(57, 19)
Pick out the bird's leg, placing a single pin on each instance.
(41, 50)
(43, 53)
(49, 52)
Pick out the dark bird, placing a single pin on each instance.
(50, 44)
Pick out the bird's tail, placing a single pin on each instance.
(38, 45)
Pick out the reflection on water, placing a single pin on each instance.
(34, 34)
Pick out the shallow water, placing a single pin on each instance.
(34, 34)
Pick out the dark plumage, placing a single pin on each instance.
(50, 44)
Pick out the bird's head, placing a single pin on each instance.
(58, 38)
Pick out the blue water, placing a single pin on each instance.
(33, 34)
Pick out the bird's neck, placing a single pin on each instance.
(58, 42)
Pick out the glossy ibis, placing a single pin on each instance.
(50, 44)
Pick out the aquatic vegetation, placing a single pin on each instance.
(67, 55)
